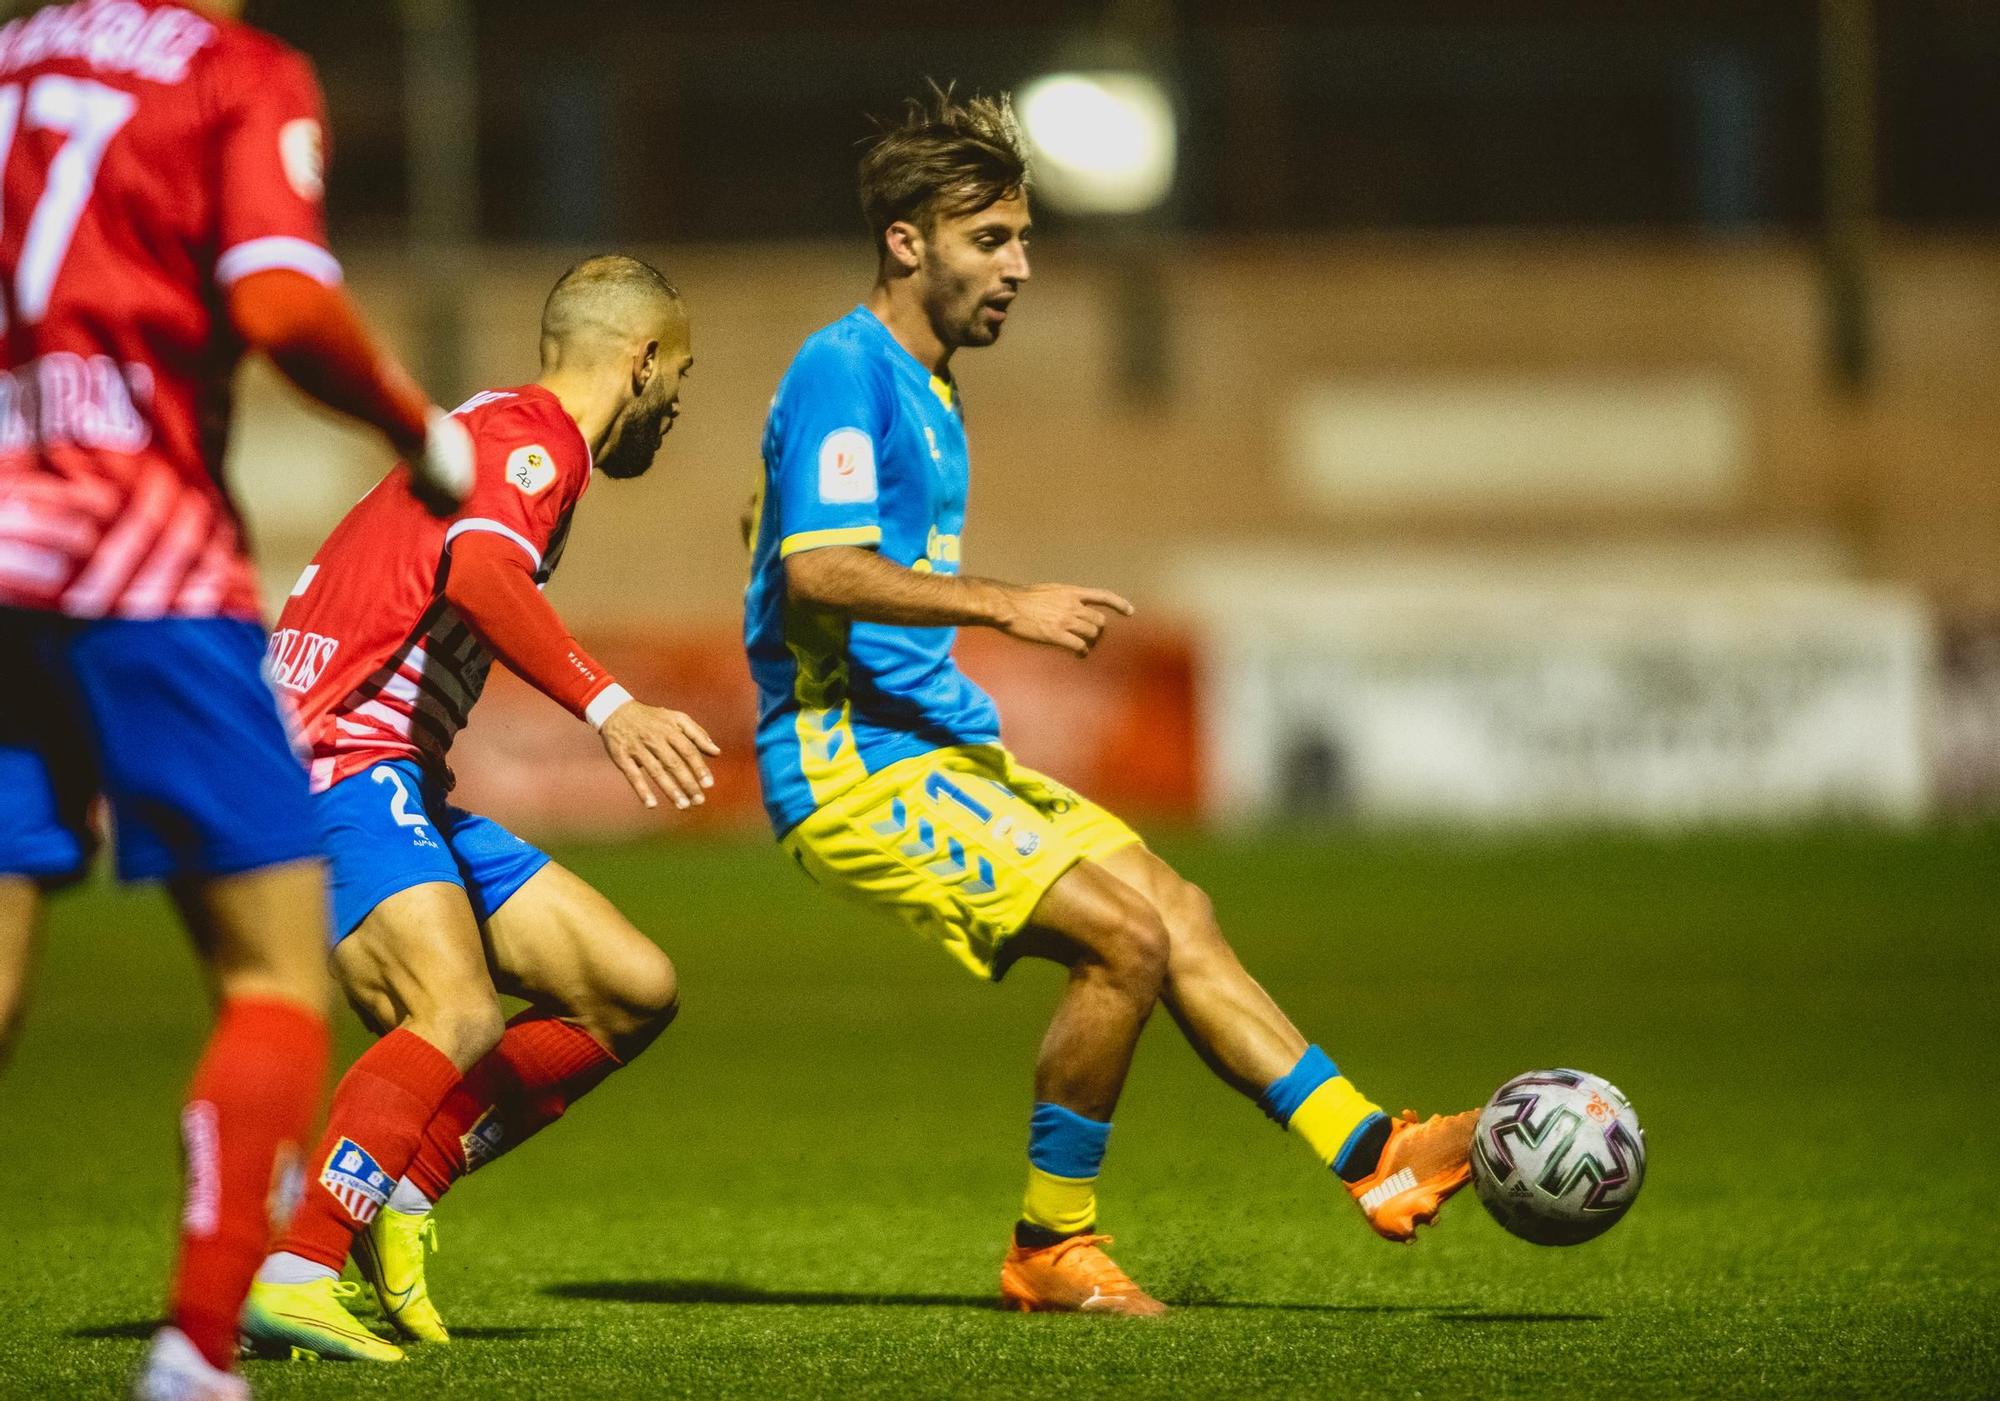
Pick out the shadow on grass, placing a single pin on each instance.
(714, 1291)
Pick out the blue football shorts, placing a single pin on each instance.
(171, 721)
(389, 827)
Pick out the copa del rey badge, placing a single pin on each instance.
(531, 469)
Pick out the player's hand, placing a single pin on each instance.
(1061, 615)
(659, 751)
(441, 475)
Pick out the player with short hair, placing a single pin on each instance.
(882, 766)
(161, 212)
(386, 643)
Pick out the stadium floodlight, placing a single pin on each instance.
(1103, 142)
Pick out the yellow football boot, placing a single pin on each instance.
(390, 1255)
(312, 1319)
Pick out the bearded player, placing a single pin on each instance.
(882, 765)
(386, 643)
(161, 213)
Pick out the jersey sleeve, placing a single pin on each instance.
(825, 456)
(530, 470)
(271, 150)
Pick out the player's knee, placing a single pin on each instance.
(1134, 946)
(638, 1002)
(652, 990)
(1188, 908)
(465, 1029)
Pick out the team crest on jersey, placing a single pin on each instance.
(531, 469)
(302, 151)
(846, 467)
(355, 1181)
(483, 1141)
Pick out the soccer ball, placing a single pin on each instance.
(1558, 1156)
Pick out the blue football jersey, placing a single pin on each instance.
(866, 447)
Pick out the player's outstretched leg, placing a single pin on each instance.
(1399, 1171)
(415, 970)
(600, 992)
(249, 1111)
(1116, 949)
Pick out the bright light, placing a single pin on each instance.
(1103, 142)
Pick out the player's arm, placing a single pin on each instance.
(491, 585)
(280, 284)
(862, 585)
(311, 331)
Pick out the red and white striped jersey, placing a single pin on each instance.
(150, 156)
(377, 662)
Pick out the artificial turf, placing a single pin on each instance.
(804, 1188)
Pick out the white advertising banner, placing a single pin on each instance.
(1523, 705)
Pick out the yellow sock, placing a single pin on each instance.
(1065, 1205)
(1330, 1115)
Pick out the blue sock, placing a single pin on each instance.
(1342, 1127)
(1065, 1151)
(1283, 1096)
(1064, 1143)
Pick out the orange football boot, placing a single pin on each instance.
(1421, 1165)
(1072, 1276)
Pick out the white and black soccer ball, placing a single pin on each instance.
(1558, 1156)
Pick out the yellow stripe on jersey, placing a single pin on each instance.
(821, 539)
(829, 755)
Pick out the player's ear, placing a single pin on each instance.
(645, 366)
(903, 245)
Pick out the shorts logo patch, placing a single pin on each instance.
(1027, 843)
(846, 467)
(531, 469)
(482, 1143)
(355, 1181)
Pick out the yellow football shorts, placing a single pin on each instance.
(959, 844)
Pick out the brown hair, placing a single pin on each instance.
(945, 156)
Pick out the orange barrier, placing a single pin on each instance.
(1120, 728)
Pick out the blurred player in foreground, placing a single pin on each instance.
(882, 766)
(386, 642)
(161, 213)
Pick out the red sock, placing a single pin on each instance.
(248, 1117)
(379, 1111)
(541, 1067)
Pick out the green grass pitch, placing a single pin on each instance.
(805, 1187)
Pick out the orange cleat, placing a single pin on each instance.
(1072, 1276)
(1422, 1164)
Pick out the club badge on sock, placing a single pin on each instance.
(354, 1180)
(484, 1140)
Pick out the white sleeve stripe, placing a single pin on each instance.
(267, 254)
(492, 528)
